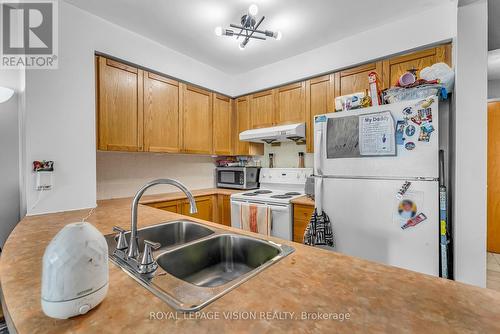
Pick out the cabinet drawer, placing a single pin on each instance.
(301, 216)
(302, 212)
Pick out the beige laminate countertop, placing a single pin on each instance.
(304, 200)
(378, 298)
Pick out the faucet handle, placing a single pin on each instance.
(148, 264)
(122, 241)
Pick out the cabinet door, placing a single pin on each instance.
(161, 114)
(354, 80)
(319, 100)
(197, 120)
(171, 206)
(204, 205)
(262, 109)
(120, 107)
(224, 203)
(222, 125)
(301, 217)
(242, 124)
(291, 104)
(396, 66)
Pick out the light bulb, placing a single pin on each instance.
(253, 10)
(218, 31)
(278, 35)
(5, 94)
(241, 46)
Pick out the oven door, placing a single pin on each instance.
(281, 221)
(281, 218)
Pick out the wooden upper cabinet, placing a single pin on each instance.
(197, 120)
(396, 66)
(319, 100)
(161, 114)
(222, 125)
(120, 106)
(354, 80)
(242, 123)
(242, 114)
(291, 103)
(262, 109)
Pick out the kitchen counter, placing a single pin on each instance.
(369, 297)
(304, 200)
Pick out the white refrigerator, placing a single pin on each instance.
(361, 186)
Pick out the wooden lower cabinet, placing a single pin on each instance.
(301, 216)
(213, 208)
(224, 210)
(205, 205)
(170, 206)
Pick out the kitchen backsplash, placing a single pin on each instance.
(121, 174)
(286, 155)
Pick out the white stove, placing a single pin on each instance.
(278, 187)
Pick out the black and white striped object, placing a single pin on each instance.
(319, 230)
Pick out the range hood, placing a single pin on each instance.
(281, 133)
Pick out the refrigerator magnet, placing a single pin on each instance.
(414, 221)
(408, 206)
(407, 111)
(402, 191)
(400, 126)
(425, 115)
(410, 130)
(407, 209)
(410, 146)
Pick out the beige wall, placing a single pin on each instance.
(121, 174)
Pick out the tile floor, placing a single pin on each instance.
(493, 272)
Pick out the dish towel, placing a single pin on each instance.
(319, 230)
(255, 218)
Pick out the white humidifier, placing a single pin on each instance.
(75, 271)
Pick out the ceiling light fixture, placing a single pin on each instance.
(248, 28)
(5, 94)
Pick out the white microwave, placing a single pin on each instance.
(238, 177)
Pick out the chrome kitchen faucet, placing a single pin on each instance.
(131, 255)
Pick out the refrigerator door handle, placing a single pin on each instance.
(318, 136)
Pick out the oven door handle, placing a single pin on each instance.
(279, 208)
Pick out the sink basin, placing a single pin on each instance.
(197, 264)
(218, 260)
(170, 234)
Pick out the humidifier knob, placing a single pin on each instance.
(84, 309)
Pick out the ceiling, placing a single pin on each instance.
(187, 26)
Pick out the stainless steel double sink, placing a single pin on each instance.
(198, 264)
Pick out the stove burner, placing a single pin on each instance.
(250, 194)
(292, 193)
(284, 196)
(262, 191)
